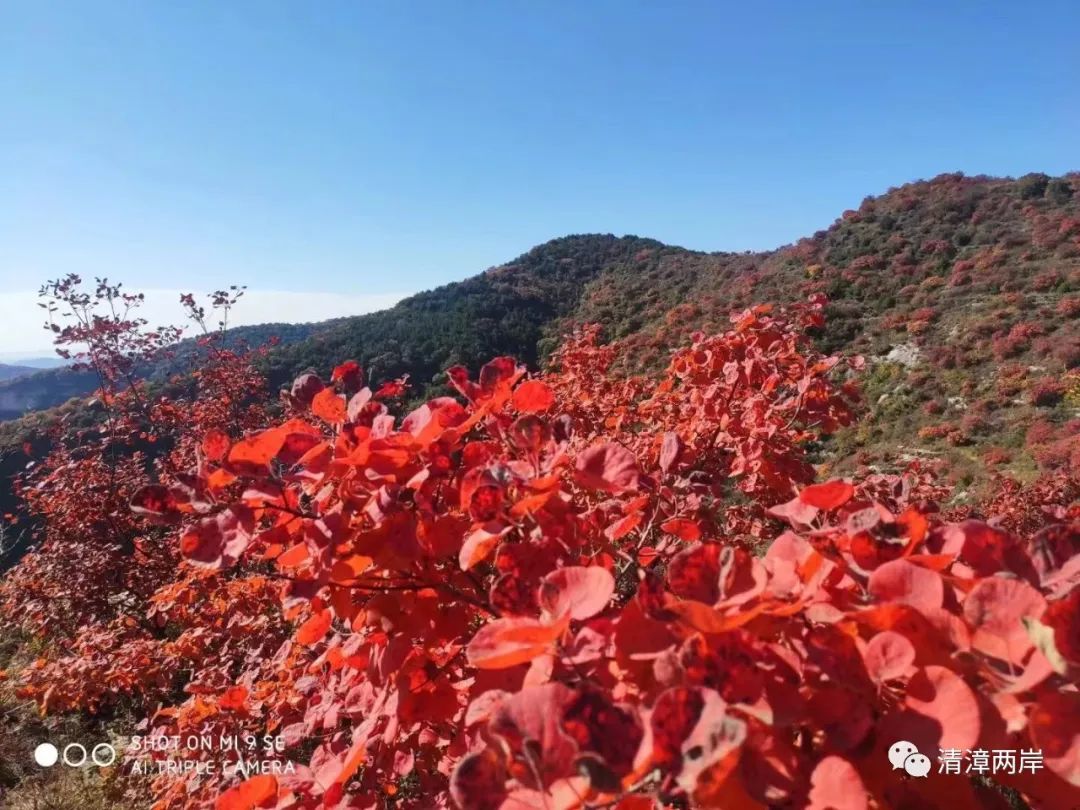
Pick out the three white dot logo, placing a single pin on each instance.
(903, 754)
(75, 755)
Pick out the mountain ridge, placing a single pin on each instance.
(963, 288)
(10, 371)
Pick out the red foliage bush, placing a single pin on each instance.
(933, 407)
(1046, 393)
(1069, 306)
(541, 593)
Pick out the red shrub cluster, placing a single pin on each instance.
(1047, 392)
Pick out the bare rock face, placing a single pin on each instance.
(906, 354)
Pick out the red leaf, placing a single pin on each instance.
(942, 696)
(674, 716)
(349, 372)
(694, 573)
(905, 582)
(218, 541)
(297, 555)
(835, 785)
(711, 751)
(314, 629)
(1055, 728)
(157, 503)
(889, 655)
(258, 450)
(621, 528)
(996, 608)
(606, 730)
(483, 706)
(646, 555)
(533, 396)
(576, 591)
(235, 697)
(796, 512)
(842, 714)
(529, 433)
(479, 781)
(1064, 617)
(607, 467)
(529, 725)
(827, 496)
(669, 451)
(305, 387)
(863, 521)
(498, 372)
(215, 445)
(686, 530)
(393, 388)
(348, 569)
(255, 792)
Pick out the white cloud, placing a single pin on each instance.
(22, 335)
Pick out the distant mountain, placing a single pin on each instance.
(42, 388)
(964, 291)
(35, 363)
(9, 372)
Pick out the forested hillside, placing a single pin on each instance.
(965, 289)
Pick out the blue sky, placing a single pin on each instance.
(377, 148)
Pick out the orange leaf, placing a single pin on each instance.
(328, 406)
(356, 755)
(314, 628)
(350, 568)
(255, 792)
(234, 698)
(830, 495)
(646, 555)
(294, 556)
(706, 619)
(916, 525)
(479, 545)
(258, 450)
(219, 479)
(686, 530)
(531, 503)
(533, 396)
(349, 370)
(215, 445)
(508, 642)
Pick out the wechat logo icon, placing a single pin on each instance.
(904, 755)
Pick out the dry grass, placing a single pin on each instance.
(65, 789)
(26, 786)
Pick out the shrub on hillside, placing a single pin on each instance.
(1046, 393)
